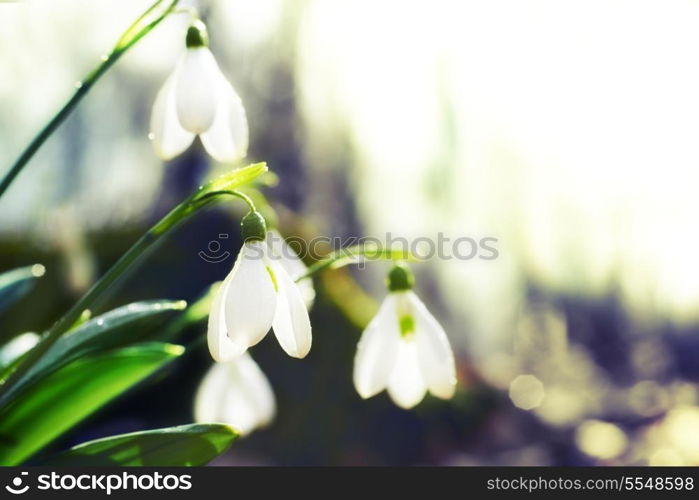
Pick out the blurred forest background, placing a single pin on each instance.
(566, 130)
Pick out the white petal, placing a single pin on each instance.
(221, 347)
(285, 255)
(168, 136)
(236, 393)
(227, 138)
(196, 94)
(251, 298)
(376, 351)
(291, 326)
(434, 351)
(207, 403)
(406, 385)
(258, 389)
(308, 293)
(290, 261)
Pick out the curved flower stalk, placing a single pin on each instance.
(197, 99)
(404, 349)
(236, 393)
(257, 295)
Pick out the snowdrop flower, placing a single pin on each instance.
(236, 393)
(404, 349)
(198, 100)
(293, 265)
(257, 294)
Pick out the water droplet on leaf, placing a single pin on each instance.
(38, 270)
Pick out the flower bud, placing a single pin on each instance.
(400, 278)
(253, 227)
(197, 35)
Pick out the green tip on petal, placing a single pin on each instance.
(407, 326)
(197, 35)
(400, 278)
(253, 227)
(273, 277)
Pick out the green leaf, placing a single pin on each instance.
(17, 283)
(119, 327)
(208, 193)
(232, 180)
(185, 445)
(63, 398)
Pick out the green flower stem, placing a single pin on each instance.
(206, 195)
(140, 28)
(245, 198)
(351, 255)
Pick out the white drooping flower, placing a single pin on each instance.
(404, 349)
(197, 99)
(257, 295)
(236, 393)
(293, 265)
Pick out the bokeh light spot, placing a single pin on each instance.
(600, 439)
(527, 392)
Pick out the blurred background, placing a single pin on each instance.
(566, 130)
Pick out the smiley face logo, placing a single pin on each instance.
(214, 254)
(16, 487)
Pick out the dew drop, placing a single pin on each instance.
(38, 270)
(78, 85)
(100, 322)
(104, 58)
(151, 136)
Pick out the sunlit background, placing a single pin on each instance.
(566, 130)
